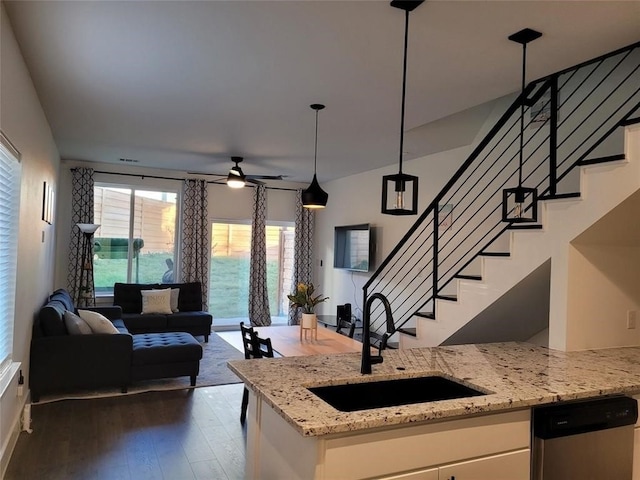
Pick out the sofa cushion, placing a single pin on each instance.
(161, 348)
(189, 319)
(175, 297)
(127, 295)
(75, 324)
(149, 322)
(98, 322)
(51, 316)
(156, 301)
(119, 324)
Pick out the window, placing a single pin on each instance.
(10, 172)
(136, 239)
(229, 272)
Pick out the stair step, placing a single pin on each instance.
(494, 254)
(596, 161)
(430, 315)
(409, 331)
(559, 196)
(468, 277)
(450, 298)
(525, 226)
(630, 121)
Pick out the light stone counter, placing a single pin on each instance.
(514, 375)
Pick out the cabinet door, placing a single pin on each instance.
(430, 474)
(506, 466)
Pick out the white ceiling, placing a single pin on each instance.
(184, 85)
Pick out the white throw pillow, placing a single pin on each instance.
(156, 301)
(76, 325)
(98, 322)
(175, 293)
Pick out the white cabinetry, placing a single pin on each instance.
(506, 466)
(492, 446)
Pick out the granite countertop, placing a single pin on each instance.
(514, 375)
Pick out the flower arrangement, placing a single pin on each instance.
(304, 298)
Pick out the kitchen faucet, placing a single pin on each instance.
(367, 358)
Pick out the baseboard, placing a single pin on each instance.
(11, 408)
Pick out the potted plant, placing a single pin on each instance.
(304, 298)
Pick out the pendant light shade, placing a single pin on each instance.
(314, 196)
(236, 179)
(520, 204)
(400, 191)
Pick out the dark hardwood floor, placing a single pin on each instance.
(181, 435)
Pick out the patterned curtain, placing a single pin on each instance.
(81, 212)
(303, 251)
(259, 314)
(194, 234)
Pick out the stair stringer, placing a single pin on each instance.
(603, 187)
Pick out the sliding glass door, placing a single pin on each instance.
(229, 280)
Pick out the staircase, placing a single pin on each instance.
(442, 275)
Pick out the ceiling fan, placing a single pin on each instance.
(236, 178)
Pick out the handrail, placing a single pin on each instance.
(585, 103)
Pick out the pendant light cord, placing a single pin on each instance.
(315, 154)
(404, 84)
(522, 101)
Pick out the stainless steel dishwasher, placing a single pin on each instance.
(585, 440)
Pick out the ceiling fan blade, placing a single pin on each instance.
(267, 177)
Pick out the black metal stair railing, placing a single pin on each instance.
(568, 116)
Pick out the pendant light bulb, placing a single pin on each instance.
(314, 197)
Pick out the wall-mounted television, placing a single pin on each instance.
(353, 247)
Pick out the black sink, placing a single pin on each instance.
(390, 393)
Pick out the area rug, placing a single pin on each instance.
(213, 371)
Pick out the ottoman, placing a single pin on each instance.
(165, 355)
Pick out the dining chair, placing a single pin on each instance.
(350, 327)
(344, 319)
(254, 347)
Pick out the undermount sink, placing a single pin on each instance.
(390, 393)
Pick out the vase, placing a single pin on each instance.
(309, 320)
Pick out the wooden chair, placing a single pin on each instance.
(254, 347)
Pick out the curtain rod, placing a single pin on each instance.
(213, 182)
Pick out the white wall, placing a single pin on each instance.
(603, 288)
(24, 123)
(357, 199)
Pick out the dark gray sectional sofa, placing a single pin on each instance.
(60, 362)
(189, 317)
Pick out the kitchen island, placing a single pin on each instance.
(294, 434)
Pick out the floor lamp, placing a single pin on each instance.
(86, 292)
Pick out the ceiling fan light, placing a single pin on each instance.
(314, 196)
(236, 178)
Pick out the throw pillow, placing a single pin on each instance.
(75, 324)
(175, 294)
(156, 301)
(98, 322)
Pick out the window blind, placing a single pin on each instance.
(10, 172)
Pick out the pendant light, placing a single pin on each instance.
(314, 196)
(520, 204)
(400, 191)
(236, 179)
